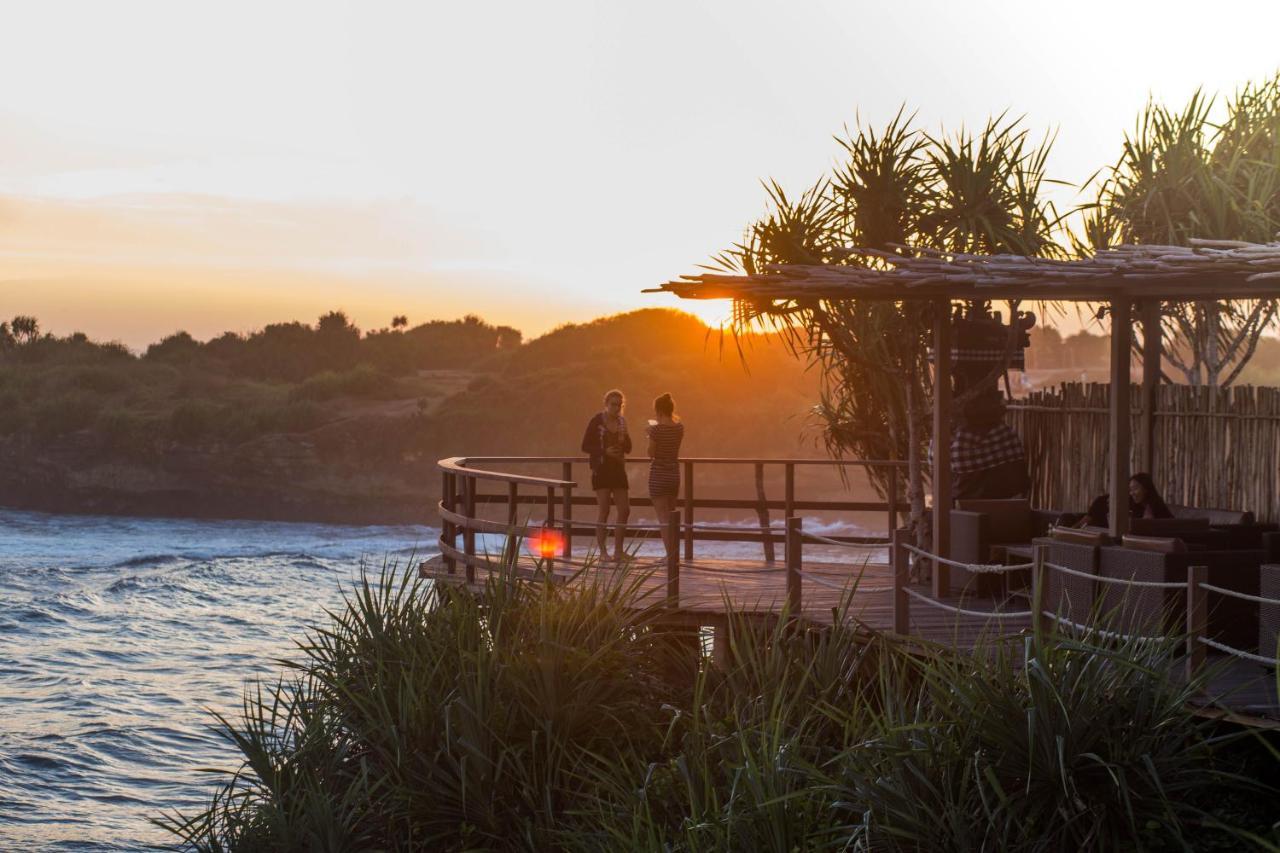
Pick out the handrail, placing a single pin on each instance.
(700, 460)
(458, 465)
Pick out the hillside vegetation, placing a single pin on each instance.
(327, 422)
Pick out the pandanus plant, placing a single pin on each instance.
(1183, 175)
(893, 190)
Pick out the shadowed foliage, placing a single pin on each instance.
(539, 717)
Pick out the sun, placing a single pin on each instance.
(716, 313)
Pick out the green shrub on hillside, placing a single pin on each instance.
(363, 381)
(194, 420)
(128, 431)
(301, 416)
(64, 413)
(13, 412)
(99, 379)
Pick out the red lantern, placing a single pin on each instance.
(546, 543)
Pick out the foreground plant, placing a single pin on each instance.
(544, 716)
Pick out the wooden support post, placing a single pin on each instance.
(449, 533)
(721, 653)
(1152, 352)
(469, 533)
(673, 559)
(1041, 623)
(513, 503)
(1120, 428)
(901, 578)
(941, 445)
(688, 512)
(566, 510)
(1197, 618)
(795, 559)
(762, 515)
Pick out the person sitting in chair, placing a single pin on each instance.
(1144, 502)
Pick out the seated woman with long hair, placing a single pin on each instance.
(1144, 502)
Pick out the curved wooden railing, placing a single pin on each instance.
(463, 493)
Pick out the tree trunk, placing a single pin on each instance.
(1212, 362)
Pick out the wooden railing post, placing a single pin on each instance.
(901, 578)
(449, 497)
(1197, 618)
(762, 515)
(469, 533)
(513, 501)
(566, 474)
(673, 558)
(795, 558)
(1041, 623)
(789, 490)
(688, 511)
(551, 508)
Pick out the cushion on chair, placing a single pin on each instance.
(1009, 520)
(1083, 536)
(1169, 527)
(1215, 516)
(1165, 545)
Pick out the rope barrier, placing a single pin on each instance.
(1240, 653)
(825, 581)
(977, 568)
(1125, 581)
(696, 568)
(1110, 635)
(1243, 596)
(984, 614)
(814, 537)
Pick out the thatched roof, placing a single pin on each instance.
(1207, 269)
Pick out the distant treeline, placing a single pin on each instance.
(292, 352)
(466, 387)
(1049, 350)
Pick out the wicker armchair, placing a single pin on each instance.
(1146, 610)
(978, 525)
(1269, 614)
(1069, 596)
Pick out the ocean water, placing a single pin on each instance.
(118, 636)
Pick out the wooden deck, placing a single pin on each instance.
(1239, 690)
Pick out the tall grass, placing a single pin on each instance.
(543, 717)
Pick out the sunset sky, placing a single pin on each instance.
(216, 166)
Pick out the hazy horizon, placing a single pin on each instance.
(210, 168)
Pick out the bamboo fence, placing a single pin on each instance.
(1213, 447)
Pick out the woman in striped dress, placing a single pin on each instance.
(665, 434)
